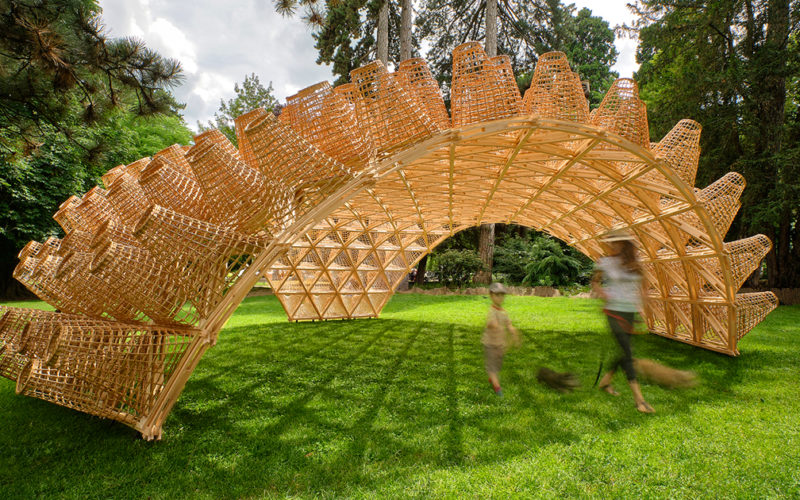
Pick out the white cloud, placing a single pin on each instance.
(219, 43)
(172, 42)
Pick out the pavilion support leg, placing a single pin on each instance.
(151, 425)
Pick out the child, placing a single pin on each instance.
(494, 339)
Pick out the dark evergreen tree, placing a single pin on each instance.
(727, 64)
(55, 60)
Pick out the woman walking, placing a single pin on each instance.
(621, 289)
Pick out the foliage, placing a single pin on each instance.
(550, 265)
(74, 105)
(589, 46)
(33, 186)
(588, 42)
(511, 256)
(540, 260)
(399, 407)
(59, 73)
(457, 267)
(525, 30)
(346, 37)
(249, 96)
(344, 31)
(732, 66)
(462, 240)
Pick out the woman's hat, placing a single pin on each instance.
(617, 235)
(497, 288)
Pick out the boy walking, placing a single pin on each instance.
(495, 335)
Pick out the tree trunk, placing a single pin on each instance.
(10, 288)
(486, 241)
(383, 33)
(405, 29)
(770, 97)
(421, 268)
(753, 281)
(486, 251)
(784, 251)
(491, 28)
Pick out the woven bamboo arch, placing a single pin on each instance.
(334, 202)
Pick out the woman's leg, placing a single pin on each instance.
(622, 325)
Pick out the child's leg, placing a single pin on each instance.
(494, 379)
(493, 358)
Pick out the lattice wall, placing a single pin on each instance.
(337, 199)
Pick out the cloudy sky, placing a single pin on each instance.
(219, 43)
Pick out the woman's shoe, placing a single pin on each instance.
(609, 389)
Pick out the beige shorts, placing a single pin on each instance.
(493, 357)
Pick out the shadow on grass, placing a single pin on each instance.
(344, 407)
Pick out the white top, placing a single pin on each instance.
(623, 288)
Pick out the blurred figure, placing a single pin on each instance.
(495, 336)
(621, 289)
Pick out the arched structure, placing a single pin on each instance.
(334, 202)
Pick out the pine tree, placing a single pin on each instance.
(55, 58)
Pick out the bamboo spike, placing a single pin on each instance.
(330, 124)
(623, 113)
(388, 108)
(556, 91)
(426, 89)
(481, 90)
(681, 149)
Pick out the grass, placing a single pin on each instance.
(400, 406)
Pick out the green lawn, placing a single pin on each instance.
(400, 406)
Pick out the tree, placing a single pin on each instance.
(491, 28)
(727, 65)
(539, 259)
(383, 32)
(589, 46)
(249, 96)
(74, 105)
(33, 186)
(511, 256)
(486, 241)
(347, 31)
(550, 265)
(406, 10)
(59, 73)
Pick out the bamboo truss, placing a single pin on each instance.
(338, 198)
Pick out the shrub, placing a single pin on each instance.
(550, 265)
(458, 266)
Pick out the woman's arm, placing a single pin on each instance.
(597, 286)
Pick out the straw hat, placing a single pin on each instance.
(617, 235)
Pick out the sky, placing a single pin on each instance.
(220, 42)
